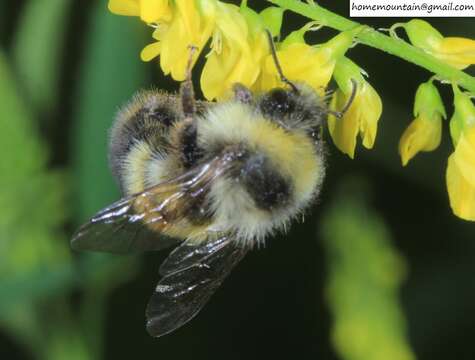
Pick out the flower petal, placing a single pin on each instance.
(465, 155)
(372, 105)
(460, 177)
(151, 51)
(362, 118)
(344, 131)
(124, 7)
(423, 134)
(459, 52)
(154, 10)
(463, 116)
(238, 50)
(300, 62)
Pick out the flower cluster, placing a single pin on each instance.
(240, 50)
(425, 131)
(240, 53)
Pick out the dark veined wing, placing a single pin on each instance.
(125, 226)
(191, 275)
(118, 229)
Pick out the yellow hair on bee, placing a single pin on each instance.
(292, 152)
(274, 180)
(136, 165)
(144, 168)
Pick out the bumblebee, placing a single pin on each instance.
(218, 177)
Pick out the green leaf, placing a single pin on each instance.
(31, 197)
(32, 212)
(37, 50)
(364, 275)
(29, 287)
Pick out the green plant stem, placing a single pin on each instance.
(375, 39)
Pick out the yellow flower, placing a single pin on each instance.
(460, 176)
(239, 45)
(150, 11)
(191, 25)
(363, 114)
(456, 51)
(313, 65)
(425, 131)
(459, 52)
(423, 134)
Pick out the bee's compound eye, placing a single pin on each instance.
(277, 102)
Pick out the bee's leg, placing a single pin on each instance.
(187, 131)
(186, 89)
(242, 94)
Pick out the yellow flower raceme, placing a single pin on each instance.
(363, 114)
(150, 11)
(425, 131)
(192, 24)
(456, 51)
(313, 65)
(460, 174)
(239, 45)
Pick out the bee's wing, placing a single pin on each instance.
(191, 275)
(125, 225)
(118, 229)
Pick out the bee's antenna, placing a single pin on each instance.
(277, 64)
(352, 96)
(339, 114)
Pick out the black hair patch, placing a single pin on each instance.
(147, 123)
(190, 151)
(265, 185)
(277, 104)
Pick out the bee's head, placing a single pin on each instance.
(296, 108)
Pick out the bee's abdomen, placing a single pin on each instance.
(141, 133)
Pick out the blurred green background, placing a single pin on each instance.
(380, 269)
